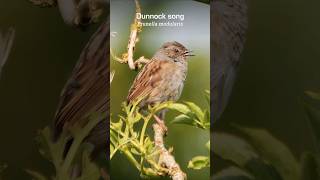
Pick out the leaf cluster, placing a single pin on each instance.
(259, 155)
(77, 158)
(128, 134)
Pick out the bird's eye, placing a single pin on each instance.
(176, 50)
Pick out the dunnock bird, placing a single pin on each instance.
(228, 28)
(87, 91)
(6, 41)
(162, 78)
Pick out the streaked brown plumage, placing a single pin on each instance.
(87, 90)
(161, 79)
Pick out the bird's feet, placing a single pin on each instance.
(161, 124)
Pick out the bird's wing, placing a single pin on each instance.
(87, 89)
(6, 41)
(228, 28)
(147, 80)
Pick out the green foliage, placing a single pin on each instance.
(199, 162)
(130, 138)
(275, 151)
(77, 156)
(259, 155)
(193, 115)
(133, 142)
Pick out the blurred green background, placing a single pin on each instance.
(195, 35)
(280, 61)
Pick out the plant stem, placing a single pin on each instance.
(144, 127)
(132, 159)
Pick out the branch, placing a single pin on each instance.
(166, 159)
(135, 29)
(127, 58)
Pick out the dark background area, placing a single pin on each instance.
(42, 58)
(280, 61)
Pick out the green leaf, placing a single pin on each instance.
(117, 126)
(313, 95)
(179, 107)
(273, 151)
(136, 118)
(183, 119)
(196, 110)
(310, 167)
(232, 148)
(199, 162)
(35, 175)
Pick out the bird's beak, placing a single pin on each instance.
(188, 53)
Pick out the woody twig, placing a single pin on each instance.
(127, 58)
(166, 159)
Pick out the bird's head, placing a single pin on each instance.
(173, 51)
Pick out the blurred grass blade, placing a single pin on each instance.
(274, 151)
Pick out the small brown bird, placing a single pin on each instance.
(161, 79)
